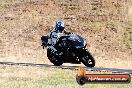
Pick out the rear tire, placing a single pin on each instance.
(56, 60)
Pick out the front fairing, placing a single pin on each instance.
(77, 41)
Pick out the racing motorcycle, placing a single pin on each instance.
(70, 49)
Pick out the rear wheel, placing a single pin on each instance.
(56, 60)
(88, 60)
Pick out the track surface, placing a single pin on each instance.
(68, 67)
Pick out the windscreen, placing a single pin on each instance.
(77, 41)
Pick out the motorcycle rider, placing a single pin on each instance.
(55, 34)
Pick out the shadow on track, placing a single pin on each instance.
(68, 67)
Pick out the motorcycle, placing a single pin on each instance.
(70, 49)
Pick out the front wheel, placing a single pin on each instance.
(88, 60)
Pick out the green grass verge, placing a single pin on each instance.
(56, 78)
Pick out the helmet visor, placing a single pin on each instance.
(60, 29)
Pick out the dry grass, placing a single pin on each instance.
(24, 22)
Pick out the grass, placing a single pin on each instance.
(95, 26)
(127, 38)
(41, 77)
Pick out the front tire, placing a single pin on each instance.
(88, 60)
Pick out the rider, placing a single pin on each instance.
(56, 33)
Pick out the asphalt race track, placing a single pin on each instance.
(69, 67)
